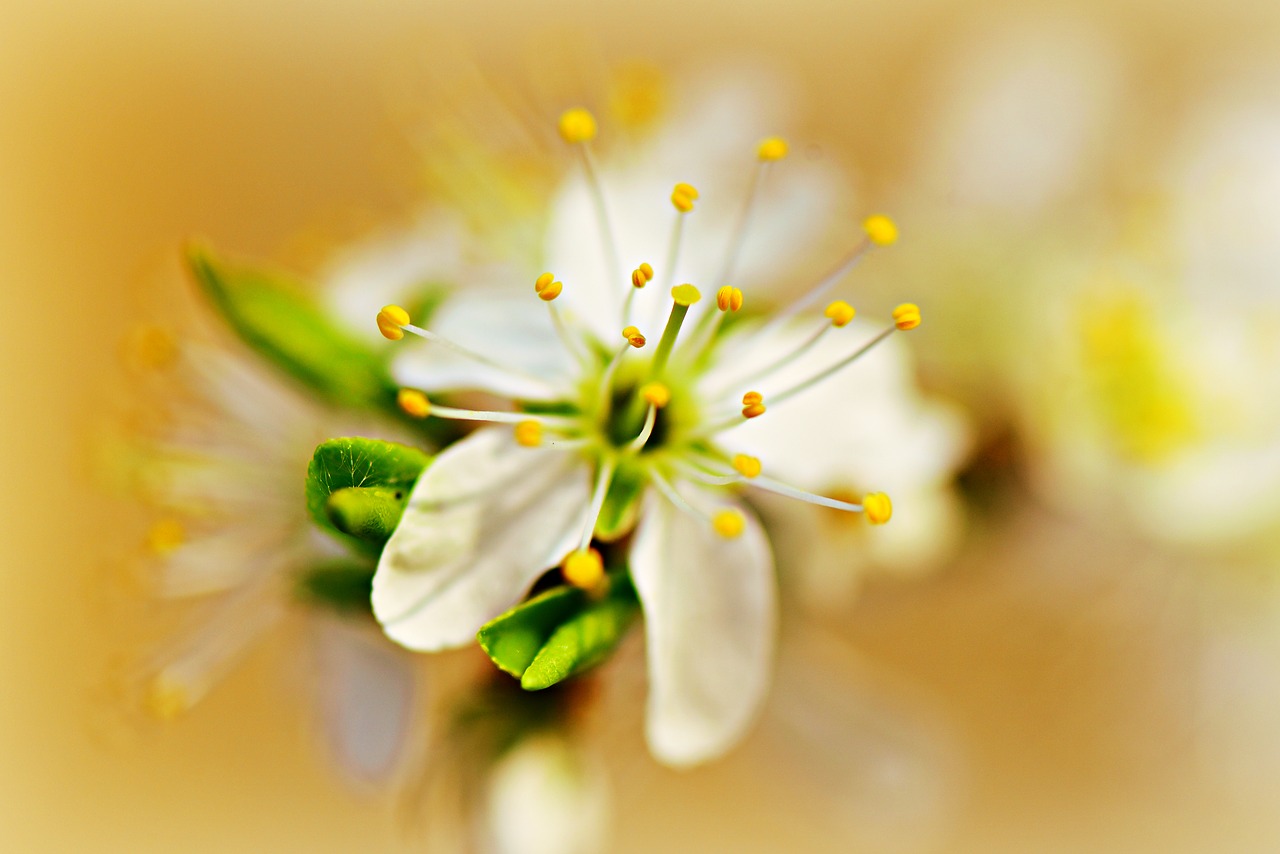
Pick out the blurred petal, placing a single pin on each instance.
(366, 693)
(485, 519)
(545, 798)
(710, 621)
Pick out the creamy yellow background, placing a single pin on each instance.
(125, 127)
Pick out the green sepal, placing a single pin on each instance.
(585, 639)
(367, 513)
(512, 640)
(621, 502)
(383, 473)
(343, 585)
(272, 313)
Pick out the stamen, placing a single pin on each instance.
(650, 419)
(669, 492)
(417, 405)
(529, 433)
(906, 316)
(578, 128)
(682, 198)
(657, 396)
(633, 336)
(879, 230)
(393, 323)
(747, 466)
(640, 277)
(583, 569)
(752, 405)
(769, 151)
(547, 289)
(683, 296)
(413, 403)
(729, 523)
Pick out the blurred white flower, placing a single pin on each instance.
(544, 796)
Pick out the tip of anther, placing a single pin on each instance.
(391, 320)
(773, 148)
(878, 507)
(906, 316)
(881, 230)
(413, 403)
(577, 125)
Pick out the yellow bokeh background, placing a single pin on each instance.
(126, 127)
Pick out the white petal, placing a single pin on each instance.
(485, 519)
(513, 330)
(366, 692)
(710, 626)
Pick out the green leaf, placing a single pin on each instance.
(359, 487)
(513, 639)
(584, 639)
(343, 585)
(271, 312)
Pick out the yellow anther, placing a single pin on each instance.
(583, 569)
(529, 433)
(751, 398)
(878, 507)
(728, 298)
(390, 321)
(683, 197)
(746, 466)
(840, 313)
(577, 125)
(633, 336)
(685, 295)
(166, 698)
(547, 287)
(906, 316)
(655, 394)
(773, 148)
(729, 523)
(882, 230)
(752, 404)
(166, 536)
(413, 403)
(152, 347)
(647, 270)
(638, 279)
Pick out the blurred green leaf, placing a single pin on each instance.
(342, 585)
(272, 313)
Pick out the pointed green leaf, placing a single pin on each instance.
(272, 313)
(584, 639)
(359, 487)
(513, 639)
(344, 585)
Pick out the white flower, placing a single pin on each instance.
(220, 457)
(1164, 408)
(615, 444)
